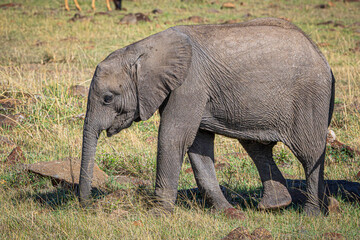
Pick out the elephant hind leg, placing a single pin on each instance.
(313, 165)
(201, 155)
(276, 194)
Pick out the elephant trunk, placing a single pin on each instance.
(90, 138)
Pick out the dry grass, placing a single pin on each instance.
(43, 54)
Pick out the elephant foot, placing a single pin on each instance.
(233, 213)
(276, 196)
(312, 210)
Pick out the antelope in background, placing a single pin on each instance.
(117, 5)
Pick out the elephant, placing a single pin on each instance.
(261, 82)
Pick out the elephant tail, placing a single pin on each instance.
(332, 100)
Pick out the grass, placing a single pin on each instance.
(43, 54)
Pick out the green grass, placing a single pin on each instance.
(42, 54)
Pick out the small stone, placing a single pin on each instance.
(132, 18)
(331, 136)
(322, 6)
(157, 11)
(140, 17)
(334, 205)
(16, 156)
(358, 175)
(238, 234)
(228, 5)
(79, 17)
(234, 214)
(78, 90)
(261, 233)
(129, 19)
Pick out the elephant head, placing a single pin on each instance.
(130, 85)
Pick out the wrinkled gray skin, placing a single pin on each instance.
(261, 81)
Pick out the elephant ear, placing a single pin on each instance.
(162, 66)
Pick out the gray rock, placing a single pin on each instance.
(67, 171)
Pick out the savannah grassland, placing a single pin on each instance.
(42, 54)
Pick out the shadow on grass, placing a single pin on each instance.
(62, 197)
(345, 190)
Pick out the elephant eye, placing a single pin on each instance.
(108, 98)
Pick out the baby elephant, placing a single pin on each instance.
(261, 82)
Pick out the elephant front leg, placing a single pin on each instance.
(201, 155)
(276, 194)
(174, 140)
(169, 161)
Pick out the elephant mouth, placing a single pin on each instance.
(118, 126)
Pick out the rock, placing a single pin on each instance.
(79, 17)
(142, 17)
(238, 234)
(129, 19)
(234, 214)
(67, 171)
(11, 120)
(261, 233)
(334, 205)
(332, 236)
(157, 11)
(228, 5)
(330, 137)
(322, 6)
(16, 156)
(134, 18)
(78, 90)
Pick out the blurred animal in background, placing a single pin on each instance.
(116, 2)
